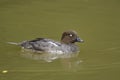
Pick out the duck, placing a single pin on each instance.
(44, 45)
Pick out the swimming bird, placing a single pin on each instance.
(44, 45)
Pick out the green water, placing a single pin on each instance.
(96, 21)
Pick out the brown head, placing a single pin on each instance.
(70, 37)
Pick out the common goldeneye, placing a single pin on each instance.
(44, 45)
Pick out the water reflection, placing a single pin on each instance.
(68, 61)
(48, 57)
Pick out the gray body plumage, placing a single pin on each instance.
(49, 46)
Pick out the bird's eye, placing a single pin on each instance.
(70, 35)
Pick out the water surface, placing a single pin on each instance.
(96, 21)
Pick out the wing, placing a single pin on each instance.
(41, 44)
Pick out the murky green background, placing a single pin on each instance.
(96, 21)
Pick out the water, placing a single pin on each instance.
(96, 21)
